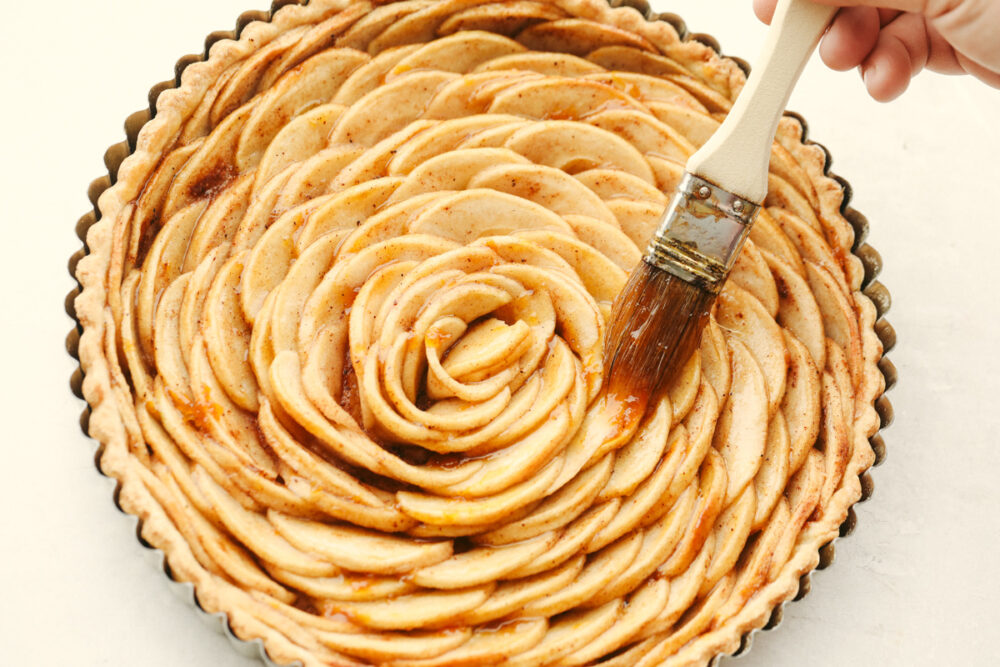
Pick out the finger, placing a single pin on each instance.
(916, 6)
(901, 52)
(851, 38)
(885, 74)
(764, 9)
(963, 23)
(987, 76)
(972, 29)
(942, 57)
(887, 16)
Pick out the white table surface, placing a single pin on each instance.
(915, 585)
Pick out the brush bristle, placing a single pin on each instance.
(655, 327)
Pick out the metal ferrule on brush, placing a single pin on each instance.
(701, 233)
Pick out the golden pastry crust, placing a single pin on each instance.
(236, 451)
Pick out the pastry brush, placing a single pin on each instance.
(657, 319)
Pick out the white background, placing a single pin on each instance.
(915, 585)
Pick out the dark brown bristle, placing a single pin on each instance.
(655, 327)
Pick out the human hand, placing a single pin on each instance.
(892, 40)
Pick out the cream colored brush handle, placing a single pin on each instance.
(736, 157)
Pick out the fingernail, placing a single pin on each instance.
(868, 75)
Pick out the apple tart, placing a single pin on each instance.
(343, 316)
